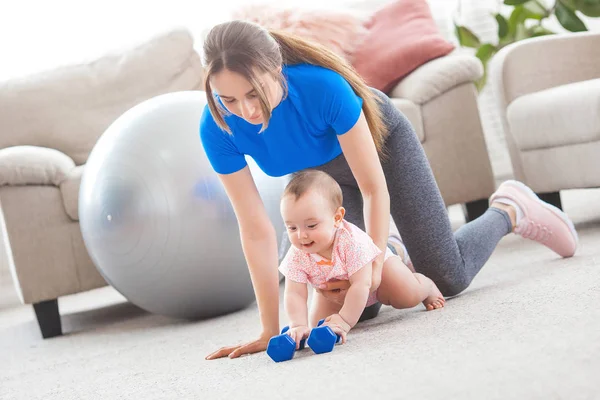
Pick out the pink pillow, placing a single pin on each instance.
(402, 36)
(340, 31)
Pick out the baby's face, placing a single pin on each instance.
(311, 223)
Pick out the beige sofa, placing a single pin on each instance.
(50, 122)
(548, 92)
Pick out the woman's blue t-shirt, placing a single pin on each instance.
(302, 131)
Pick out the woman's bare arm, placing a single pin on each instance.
(259, 244)
(361, 154)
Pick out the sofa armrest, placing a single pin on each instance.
(544, 62)
(438, 76)
(33, 165)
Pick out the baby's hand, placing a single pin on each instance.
(338, 326)
(298, 333)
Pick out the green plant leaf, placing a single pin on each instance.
(535, 10)
(506, 41)
(466, 37)
(516, 22)
(515, 2)
(485, 52)
(480, 83)
(539, 30)
(516, 17)
(591, 8)
(502, 26)
(568, 19)
(522, 32)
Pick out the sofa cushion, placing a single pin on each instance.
(70, 107)
(32, 165)
(402, 36)
(412, 111)
(70, 192)
(438, 76)
(563, 115)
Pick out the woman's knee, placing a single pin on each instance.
(452, 286)
(446, 269)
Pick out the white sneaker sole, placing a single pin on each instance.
(555, 210)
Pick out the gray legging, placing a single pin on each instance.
(450, 259)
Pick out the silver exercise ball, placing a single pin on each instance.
(155, 218)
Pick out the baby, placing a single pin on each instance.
(326, 247)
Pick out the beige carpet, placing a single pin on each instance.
(528, 328)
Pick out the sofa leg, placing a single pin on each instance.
(48, 318)
(475, 209)
(552, 198)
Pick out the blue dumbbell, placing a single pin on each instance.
(282, 347)
(322, 339)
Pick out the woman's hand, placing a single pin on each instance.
(334, 291)
(254, 346)
(298, 333)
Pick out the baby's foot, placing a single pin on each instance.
(435, 299)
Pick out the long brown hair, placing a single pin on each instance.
(247, 49)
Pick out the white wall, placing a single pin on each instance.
(37, 35)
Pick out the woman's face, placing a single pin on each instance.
(240, 98)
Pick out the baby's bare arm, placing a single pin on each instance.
(295, 298)
(358, 293)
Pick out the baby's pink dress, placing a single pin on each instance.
(352, 249)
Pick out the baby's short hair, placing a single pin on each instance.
(319, 181)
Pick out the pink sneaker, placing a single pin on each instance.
(541, 221)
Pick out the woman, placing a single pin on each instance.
(292, 105)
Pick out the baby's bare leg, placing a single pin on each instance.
(321, 308)
(400, 288)
(401, 253)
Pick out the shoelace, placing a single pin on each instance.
(532, 230)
